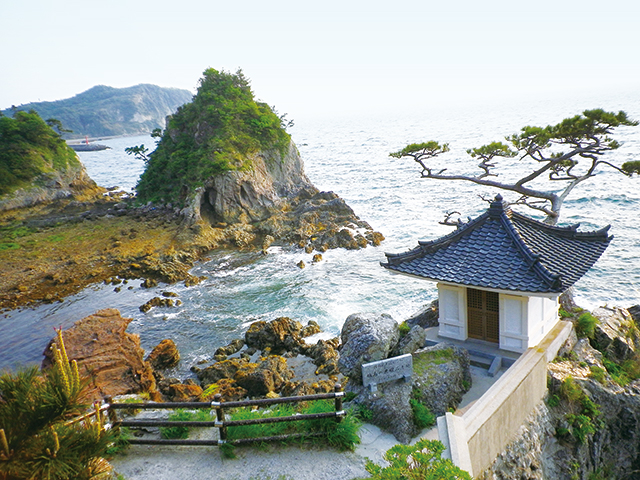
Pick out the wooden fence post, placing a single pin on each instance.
(113, 415)
(217, 403)
(338, 392)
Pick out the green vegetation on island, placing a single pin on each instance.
(217, 132)
(29, 147)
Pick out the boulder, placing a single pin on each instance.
(390, 408)
(233, 347)
(427, 317)
(223, 369)
(107, 354)
(279, 335)
(325, 356)
(184, 392)
(311, 328)
(366, 337)
(165, 355)
(269, 376)
(634, 311)
(441, 376)
(412, 341)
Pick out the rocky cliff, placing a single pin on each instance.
(589, 426)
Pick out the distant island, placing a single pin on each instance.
(105, 111)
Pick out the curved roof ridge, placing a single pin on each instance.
(552, 280)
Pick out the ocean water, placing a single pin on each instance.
(348, 154)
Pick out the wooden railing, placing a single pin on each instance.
(220, 422)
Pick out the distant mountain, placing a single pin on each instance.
(105, 111)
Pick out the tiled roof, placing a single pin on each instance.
(505, 250)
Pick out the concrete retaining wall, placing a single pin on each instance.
(478, 436)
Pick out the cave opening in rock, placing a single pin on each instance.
(207, 210)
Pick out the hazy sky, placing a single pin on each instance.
(322, 56)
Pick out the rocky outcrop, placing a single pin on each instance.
(272, 359)
(165, 355)
(275, 201)
(252, 195)
(109, 356)
(427, 317)
(441, 376)
(366, 337)
(73, 182)
(413, 340)
(390, 408)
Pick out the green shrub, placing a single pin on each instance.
(586, 324)
(404, 328)
(553, 401)
(597, 373)
(581, 426)
(422, 461)
(363, 412)
(422, 416)
(571, 391)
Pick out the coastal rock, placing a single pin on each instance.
(634, 311)
(412, 341)
(165, 355)
(427, 317)
(269, 376)
(223, 369)
(279, 335)
(184, 392)
(107, 354)
(441, 376)
(366, 337)
(73, 182)
(325, 356)
(252, 193)
(617, 334)
(233, 347)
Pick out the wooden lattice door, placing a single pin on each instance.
(483, 315)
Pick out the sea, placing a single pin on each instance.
(348, 153)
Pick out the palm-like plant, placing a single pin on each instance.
(36, 438)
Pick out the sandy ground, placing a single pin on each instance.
(142, 462)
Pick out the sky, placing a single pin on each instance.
(323, 57)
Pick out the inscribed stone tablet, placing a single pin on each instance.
(387, 370)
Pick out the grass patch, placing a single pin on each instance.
(422, 416)
(422, 362)
(343, 435)
(586, 325)
(9, 246)
(404, 328)
(184, 416)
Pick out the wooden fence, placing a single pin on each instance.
(220, 421)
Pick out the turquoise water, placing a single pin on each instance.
(348, 154)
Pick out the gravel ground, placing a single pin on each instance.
(143, 462)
